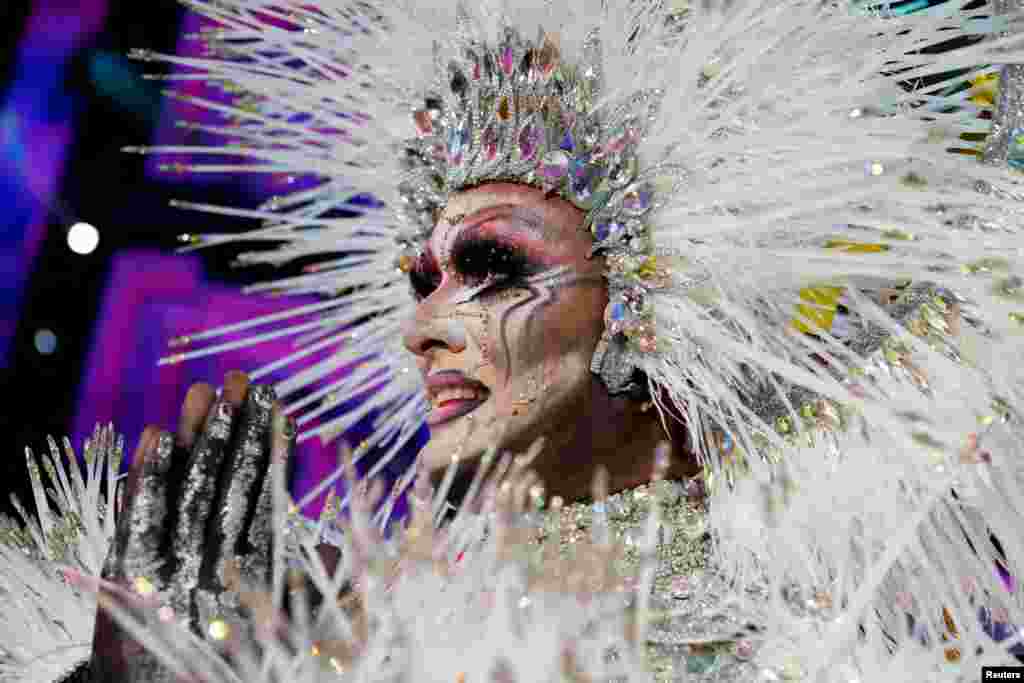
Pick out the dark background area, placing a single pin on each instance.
(68, 90)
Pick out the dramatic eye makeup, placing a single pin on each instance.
(480, 260)
(500, 248)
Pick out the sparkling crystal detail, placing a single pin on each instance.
(458, 141)
(489, 142)
(637, 201)
(554, 166)
(504, 109)
(529, 141)
(624, 139)
(727, 443)
(424, 123)
(647, 343)
(568, 144)
(585, 175)
(616, 316)
(634, 298)
(507, 60)
(606, 229)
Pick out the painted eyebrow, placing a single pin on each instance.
(532, 221)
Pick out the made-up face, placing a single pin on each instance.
(510, 312)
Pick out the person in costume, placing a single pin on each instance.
(720, 228)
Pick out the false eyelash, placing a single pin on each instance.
(478, 261)
(482, 260)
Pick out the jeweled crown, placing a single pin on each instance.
(518, 113)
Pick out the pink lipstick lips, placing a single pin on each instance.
(453, 395)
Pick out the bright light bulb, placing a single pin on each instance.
(83, 238)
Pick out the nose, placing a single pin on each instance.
(433, 327)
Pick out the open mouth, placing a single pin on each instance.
(454, 396)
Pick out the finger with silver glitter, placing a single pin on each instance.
(113, 567)
(260, 535)
(239, 478)
(198, 489)
(148, 514)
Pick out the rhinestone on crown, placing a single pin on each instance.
(516, 112)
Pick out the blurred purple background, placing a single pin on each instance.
(81, 334)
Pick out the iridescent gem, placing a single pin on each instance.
(424, 123)
(489, 142)
(458, 141)
(621, 141)
(504, 108)
(606, 229)
(727, 443)
(507, 60)
(568, 144)
(585, 176)
(529, 141)
(616, 311)
(702, 663)
(635, 299)
(554, 166)
(637, 201)
(615, 316)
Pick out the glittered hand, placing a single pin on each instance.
(198, 505)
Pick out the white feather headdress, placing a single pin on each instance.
(819, 175)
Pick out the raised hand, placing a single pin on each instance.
(197, 504)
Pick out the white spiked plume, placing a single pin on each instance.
(810, 166)
(828, 561)
(798, 138)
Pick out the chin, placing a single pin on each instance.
(469, 437)
(451, 439)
